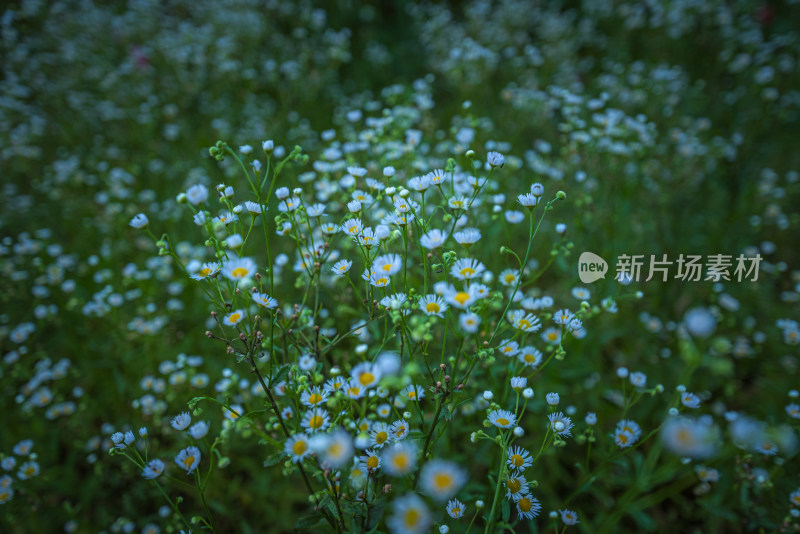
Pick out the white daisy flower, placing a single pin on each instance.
(297, 447)
(238, 268)
(233, 318)
(188, 459)
(432, 305)
(441, 479)
(409, 515)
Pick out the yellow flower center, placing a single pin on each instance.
(432, 307)
(354, 391)
(513, 485)
(239, 272)
(510, 278)
(400, 431)
(381, 437)
(467, 271)
(442, 481)
(205, 271)
(314, 398)
(502, 421)
(235, 317)
(188, 462)
(366, 378)
(524, 504)
(524, 324)
(412, 517)
(412, 394)
(400, 461)
(372, 462)
(517, 460)
(299, 447)
(315, 421)
(461, 297)
(684, 436)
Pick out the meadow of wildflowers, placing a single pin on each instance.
(295, 266)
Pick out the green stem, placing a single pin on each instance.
(490, 520)
(173, 505)
(203, 499)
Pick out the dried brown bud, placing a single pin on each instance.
(242, 336)
(209, 335)
(387, 488)
(214, 314)
(230, 349)
(446, 379)
(257, 277)
(442, 366)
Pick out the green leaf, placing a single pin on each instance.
(268, 440)
(192, 403)
(446, 414)
(308, 521)
(353, 509)
(273, 459)
(280, 375)
(506, 510)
